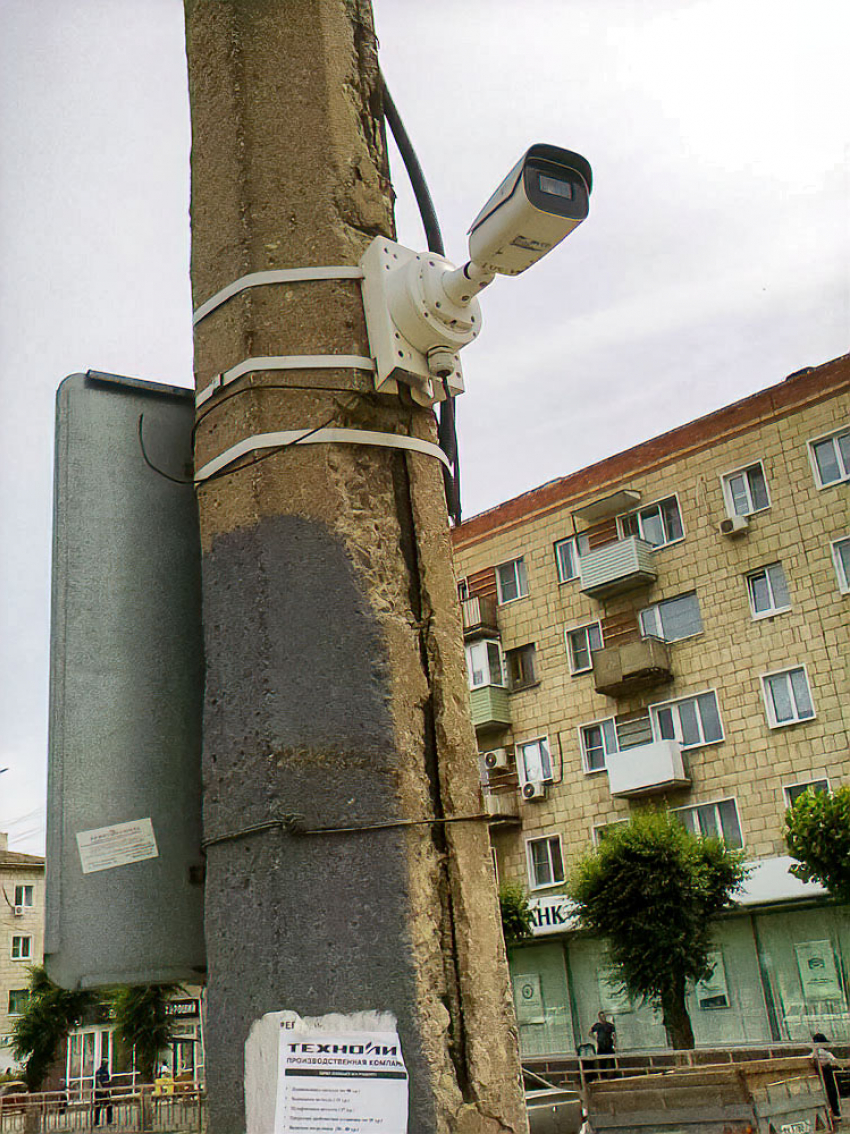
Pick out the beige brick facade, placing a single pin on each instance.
(21, 933)
(753, 762)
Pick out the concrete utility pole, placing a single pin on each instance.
(335, 680)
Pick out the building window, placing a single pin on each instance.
(794, 791)
(713, 820)
(831, 458)
(768, 591)
(522, 667)
(463, 590)
(581, 643)
(23, 896)
(601, 831)
(745, 491)
(545, 861)
(659, 524)
(533, 761)
(787, 697)
(484, 663)
(511, 580)
(567, 555)
(841, 558)
(18, 1000)
(21, 948)
(693, 721)
(598, 740)
(672, 619)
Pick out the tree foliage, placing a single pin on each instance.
(516, 916)
(650, 889)
(50, 1013)
(817, 833)
(142, 1023)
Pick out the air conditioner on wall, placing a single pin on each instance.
(734, 525)
(534, 789)
(18, 911)
(495, 759)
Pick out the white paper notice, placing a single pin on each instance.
(332, 1080)
(116, 846)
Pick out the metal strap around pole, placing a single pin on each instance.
(330, 436)
(284, 362)
(281, 275)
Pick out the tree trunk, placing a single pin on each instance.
(677, 1022)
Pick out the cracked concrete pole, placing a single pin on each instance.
(335, 681)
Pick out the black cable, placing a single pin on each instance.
(447, 428)
(149, 462)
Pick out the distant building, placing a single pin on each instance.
(21, 935)
(671, 625)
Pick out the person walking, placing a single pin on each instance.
(827, 1064)
(604, 1034)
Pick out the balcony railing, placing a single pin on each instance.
(616, 567)
(479, 617)
(647, 769)
(621, 671)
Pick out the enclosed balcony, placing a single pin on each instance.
(479, 617)
(501, 803)
(616, 567)
(632, 667)
(491, 709)
(646, 769)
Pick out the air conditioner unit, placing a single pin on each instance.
(496, 759)
(534, 789)
(18, 911)
(734, 526)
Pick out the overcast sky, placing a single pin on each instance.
(713, 263)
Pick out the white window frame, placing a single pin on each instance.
(842, 575)
(571, 541)
(728, 499)
(485, 642)
(677, 725)
(597, 828)
(588, 771)
(786, 788)
(833, 435)
(9, 1012)
(519, 757)
(586, 627)
(645, 508)
(714, 803)
(22, 938)
(768, 700)
(656, 609)
(520, 578)
(27, 889)
(773, 609)
(529, 858)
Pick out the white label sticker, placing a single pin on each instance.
(118, 845)
(331, 1078)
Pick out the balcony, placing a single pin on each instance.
(479, 618)
(501, 803)
(490, 707)
(617, 567)
(646, 769)
(621, 671)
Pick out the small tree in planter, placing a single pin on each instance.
(650, 889)
(49, 1014)
(142, 1023)
(516, 915)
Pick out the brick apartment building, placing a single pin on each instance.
(671, 625)
(21, 935)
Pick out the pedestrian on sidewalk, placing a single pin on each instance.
(827, 1063)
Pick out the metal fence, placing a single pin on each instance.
(142, 1110)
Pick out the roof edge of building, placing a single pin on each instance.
(803, 387)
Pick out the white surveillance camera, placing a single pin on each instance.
(543, 198)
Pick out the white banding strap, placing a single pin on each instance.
(284, 362)
(318, 437)
(283, 275)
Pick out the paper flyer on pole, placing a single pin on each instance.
(336, 1076)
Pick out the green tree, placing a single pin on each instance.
(50, 1013)
(142, 1023)
(817, 833)
(516, 916)
(650, 890)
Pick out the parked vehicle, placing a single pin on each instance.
(551, 1109)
